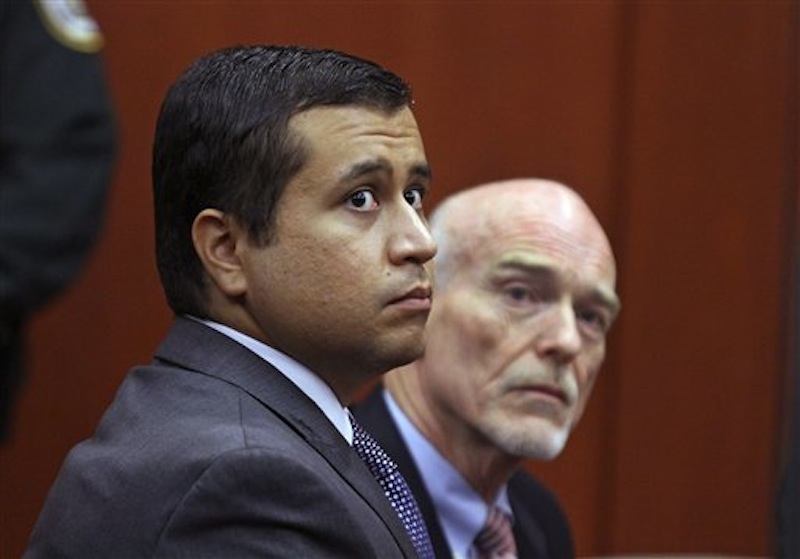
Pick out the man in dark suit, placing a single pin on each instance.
(524, 298)
(288, 187)
(57, 145)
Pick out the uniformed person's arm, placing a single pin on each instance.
(57, 142)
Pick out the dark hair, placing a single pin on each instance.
(223, 141)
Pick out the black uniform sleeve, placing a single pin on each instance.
(57, 144)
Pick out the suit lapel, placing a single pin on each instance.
(195, 346)
(531, 540)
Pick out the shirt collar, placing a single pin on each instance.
(461, 511)
(311, 385)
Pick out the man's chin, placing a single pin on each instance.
(402, 351)
(548, 451)
(542, 442)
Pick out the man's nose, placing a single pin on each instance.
(410, 239)
(559, 337)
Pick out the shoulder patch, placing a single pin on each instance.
(69, 22)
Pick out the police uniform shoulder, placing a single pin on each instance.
(69, 22)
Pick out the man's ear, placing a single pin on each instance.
(216, 238)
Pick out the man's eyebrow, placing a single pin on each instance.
(608, 299)
(367, 167)
(602, 294)
(528, 265)
(421, 170)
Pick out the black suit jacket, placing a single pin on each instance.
(211, 452)
(541, 529)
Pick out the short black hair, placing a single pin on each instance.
(223, 141)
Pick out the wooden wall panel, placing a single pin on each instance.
(667, 118)
(704, 278)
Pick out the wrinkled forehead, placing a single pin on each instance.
(572, 250)
(558, 230)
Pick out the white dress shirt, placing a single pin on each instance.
(311, 385)
(461, 510)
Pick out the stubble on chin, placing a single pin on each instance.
(535, 438)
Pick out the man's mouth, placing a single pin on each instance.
(547, 391)
(417, 298)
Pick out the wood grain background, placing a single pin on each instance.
(678, 123)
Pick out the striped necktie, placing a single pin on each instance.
(496, 540)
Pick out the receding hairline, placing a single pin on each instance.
(460, 230)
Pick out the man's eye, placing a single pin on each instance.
(519, 293)
(414, 197)
(362, 200)
(593, 319)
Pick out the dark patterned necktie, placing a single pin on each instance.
(394, 487)
(496, 540)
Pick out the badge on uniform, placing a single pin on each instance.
(70, 23)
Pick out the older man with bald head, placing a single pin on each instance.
(524, 298)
